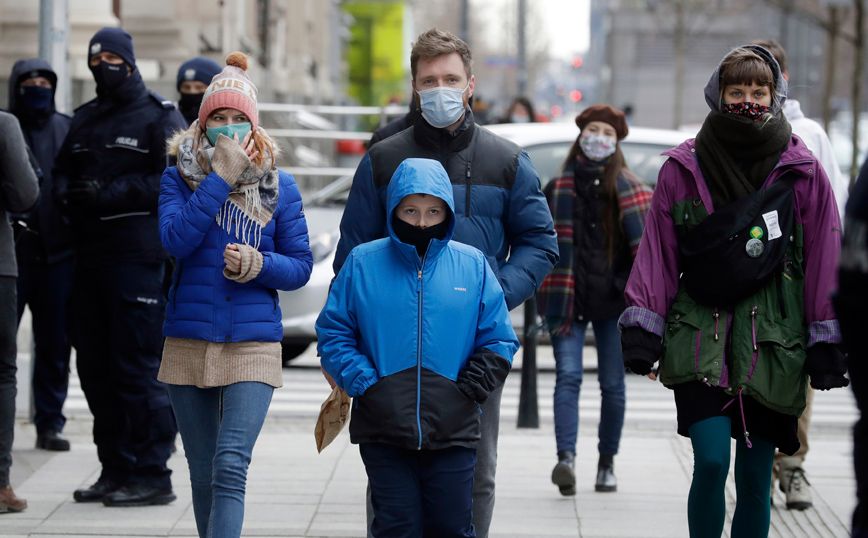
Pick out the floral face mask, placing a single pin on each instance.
(754, 111)
(597, 147)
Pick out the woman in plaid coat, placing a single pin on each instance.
(599, 210)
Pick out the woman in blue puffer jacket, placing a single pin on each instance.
(417, 331)
(235, 224)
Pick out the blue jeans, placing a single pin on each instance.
(568, 383)
(219, 427)
(420, 492)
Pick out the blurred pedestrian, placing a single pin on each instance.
(395, 126)
(107, 179)
(813, 135)
(734, 274)
(500, 208)
(20, 190)
(850, 302)
(44, 250)
(519, 111)
(416, 419)
(790, 469)
(599, 209)
(194, 76)
(236, 226)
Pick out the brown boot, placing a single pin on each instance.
(9, 502)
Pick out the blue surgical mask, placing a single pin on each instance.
(518, 119)
(240, 129)
(36, 97)
(442, 106)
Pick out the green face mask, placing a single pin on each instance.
(240, 129)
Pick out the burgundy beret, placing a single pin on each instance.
(605, 114)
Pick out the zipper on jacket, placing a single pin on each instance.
(467, 194)
(716, 316)
(419, 289)
(755, 349)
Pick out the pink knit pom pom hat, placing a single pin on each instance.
(231, 88)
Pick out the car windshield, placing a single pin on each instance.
(645, 160)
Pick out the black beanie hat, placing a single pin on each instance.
(116, 40)
(199, 68)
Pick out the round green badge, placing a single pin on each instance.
(756, 232)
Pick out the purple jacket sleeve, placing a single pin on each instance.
(822, 248)
(653, 281)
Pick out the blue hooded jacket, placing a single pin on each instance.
(417, 342)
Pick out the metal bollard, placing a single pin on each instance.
(528, 407)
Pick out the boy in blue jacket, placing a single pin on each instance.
(416, 329)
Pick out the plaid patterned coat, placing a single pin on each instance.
(571, 198)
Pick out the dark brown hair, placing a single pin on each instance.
(744, 66)
(435, 43)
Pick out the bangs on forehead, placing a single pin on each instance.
(747, 70)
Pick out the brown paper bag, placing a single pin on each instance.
(332, 418)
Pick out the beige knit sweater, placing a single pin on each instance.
(216, 364)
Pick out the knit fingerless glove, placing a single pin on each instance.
(640, 349)
(229, 160)
(251, 265)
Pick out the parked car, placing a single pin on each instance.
(547, 144)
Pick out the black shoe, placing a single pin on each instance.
(96, 492)
(139, 495)
(563, 475)
(606, 480)
(52, 440)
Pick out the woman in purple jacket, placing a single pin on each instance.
(730, 290)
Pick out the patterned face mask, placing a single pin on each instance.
(597, 147)
(754, 111)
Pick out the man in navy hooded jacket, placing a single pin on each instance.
(107, 179)
(44, 249)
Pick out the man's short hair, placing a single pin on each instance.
(435, 43)
(777, 51)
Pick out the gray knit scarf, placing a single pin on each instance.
(253, 199)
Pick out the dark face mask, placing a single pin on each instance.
(419, 237)
(189, 104)
(108, 76)
(754, 111)
(36, 97)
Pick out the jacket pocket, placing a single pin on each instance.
(682, 344)
(778, 376)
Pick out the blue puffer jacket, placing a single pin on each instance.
(501, 210)
(416, 342)
(204, 304)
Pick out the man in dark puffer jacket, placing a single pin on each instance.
(500, 208)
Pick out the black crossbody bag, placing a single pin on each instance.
(734, 252)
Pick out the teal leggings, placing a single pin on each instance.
(706, 505)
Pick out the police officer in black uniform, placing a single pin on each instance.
(107, 179)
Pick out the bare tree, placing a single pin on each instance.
(831, 16)
(683, 18)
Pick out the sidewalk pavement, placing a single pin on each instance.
(294, 492)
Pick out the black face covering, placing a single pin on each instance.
(189, 104)
(419, 237)
(109, 76)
